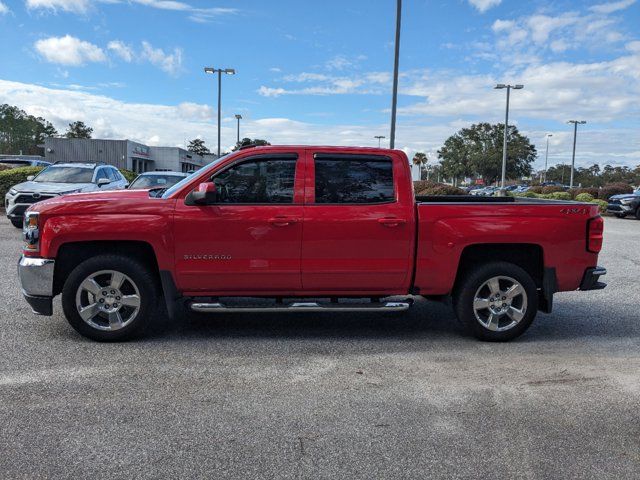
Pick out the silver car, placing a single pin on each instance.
(59, 179)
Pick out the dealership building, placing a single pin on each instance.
(123, 154)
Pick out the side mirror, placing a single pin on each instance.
(103, 181)
(203, 194)
(30, 177)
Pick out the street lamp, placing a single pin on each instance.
(379, 137)
(546, 157)
(573, 157)
(500, 86)
(238, 117)
(396, 59)
(219, 71)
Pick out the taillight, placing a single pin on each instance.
(595, 228)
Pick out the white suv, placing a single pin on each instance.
(60, 179)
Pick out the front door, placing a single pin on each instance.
(249, 241)
(358, 224)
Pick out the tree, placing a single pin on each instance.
(477, 152)
(420, 159)
(245, 142)
(22, 133)
(198, 147)
(78, 130)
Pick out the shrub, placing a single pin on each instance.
(441, 189)
(552, 189)
(130, 175)
(561, 196)
(584, 197)
(421, 185)
(528, 194)
(614, 189)
(593, 191)
(602, 205)
(536, 189)
(9, 178)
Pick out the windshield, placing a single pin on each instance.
(56, 174)
(153, 181)
(184, 181)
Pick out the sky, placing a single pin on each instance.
(311, 72)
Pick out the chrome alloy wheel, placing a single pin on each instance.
(500, 303)
(108, 300)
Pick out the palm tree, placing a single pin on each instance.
(420, 159)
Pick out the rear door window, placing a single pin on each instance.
(341, 179)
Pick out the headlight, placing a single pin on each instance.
(31, 232)
(13, 191)
(626, 201)
(72, 191)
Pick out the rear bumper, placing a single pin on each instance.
(36, 280)
(590, 279)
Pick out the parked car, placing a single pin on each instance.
(625, 204)
(285, 224)
(149, 180)
(16, 163)
(58, 179)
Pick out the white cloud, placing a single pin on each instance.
(3, 9)
(612, 6)
(325, 84)
(484, 5)
(168, 62)
(169, 125)
(121, 49)
(69, 50)
(75, 6)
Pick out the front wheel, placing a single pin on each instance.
(110, 297)
(16, 222)
(496, 301)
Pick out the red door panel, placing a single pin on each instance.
(355, 248)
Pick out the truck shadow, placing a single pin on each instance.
(427, 321)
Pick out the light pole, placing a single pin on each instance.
(573, 157)
(546, 157)
(506, 128)
(379, 137)
(394, 97)
(238, 117)
(219, 71)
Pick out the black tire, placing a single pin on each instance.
(638, 213)
(620, 215)
(465, 296)
(16, 222)
(139, 275)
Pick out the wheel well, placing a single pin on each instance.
(527, 256)
(70, 255)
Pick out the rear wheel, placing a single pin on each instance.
(109, 297)
(16, 222)
(496, 301)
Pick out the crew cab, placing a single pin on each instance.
(300, 229)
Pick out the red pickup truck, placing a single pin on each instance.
(301, 228)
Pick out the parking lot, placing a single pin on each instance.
(328, 395)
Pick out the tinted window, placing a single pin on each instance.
(102, 173)
(261, 181)
(65, 175)
(354, 181)
(112, 174)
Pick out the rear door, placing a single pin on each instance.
(358, 223)
(248, 243)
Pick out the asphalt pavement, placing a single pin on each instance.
(328, 395)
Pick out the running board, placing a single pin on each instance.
(306, 307)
